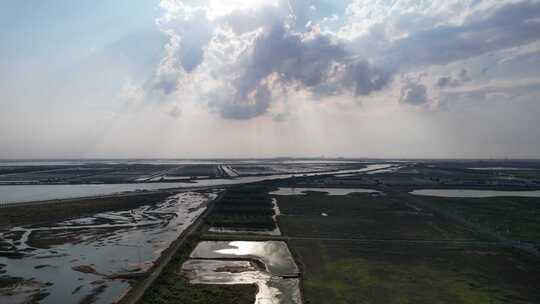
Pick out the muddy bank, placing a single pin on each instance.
(90, 259)
(50, 213)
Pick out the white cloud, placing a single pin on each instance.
(239, 58)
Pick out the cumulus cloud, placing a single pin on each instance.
(454, 81)
(253, 104)
(175, 112)
(414, 93)
(294, 61)
(501, 27)
(516, 93)
(278, 58)
(189, 31)
(131, 94)
(238, 60)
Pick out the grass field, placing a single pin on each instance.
(362, 216)
(349, 272)
(528, 174)
(387, 250)
(244, 207)
(517, 218)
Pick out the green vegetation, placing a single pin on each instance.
(362, 216)
(528, 174)
(390, 250)
(172, 287)
(517, 218)
(349, 272)
(245, 207)
(196, 170)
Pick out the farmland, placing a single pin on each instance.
(244, 208)
(517, 218)
(389, 249)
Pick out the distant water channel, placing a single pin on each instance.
(469, 193)
(329, 191)
(27, 193)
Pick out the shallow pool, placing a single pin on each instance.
(275, 255)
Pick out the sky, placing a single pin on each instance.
(270, 78)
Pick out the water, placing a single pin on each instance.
(277, 283)
(110, 242)
(329, 191)
(391, 169)
(474, 193)
(501, 168)
(27, 193)
(369, 169)
(270, 289)
(275, 255)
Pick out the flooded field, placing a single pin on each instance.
(267, 264)
(466, 193)
(275, 255)
(329, 191)
(270, 289)
(90, 259)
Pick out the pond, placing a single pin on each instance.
(275, 255)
